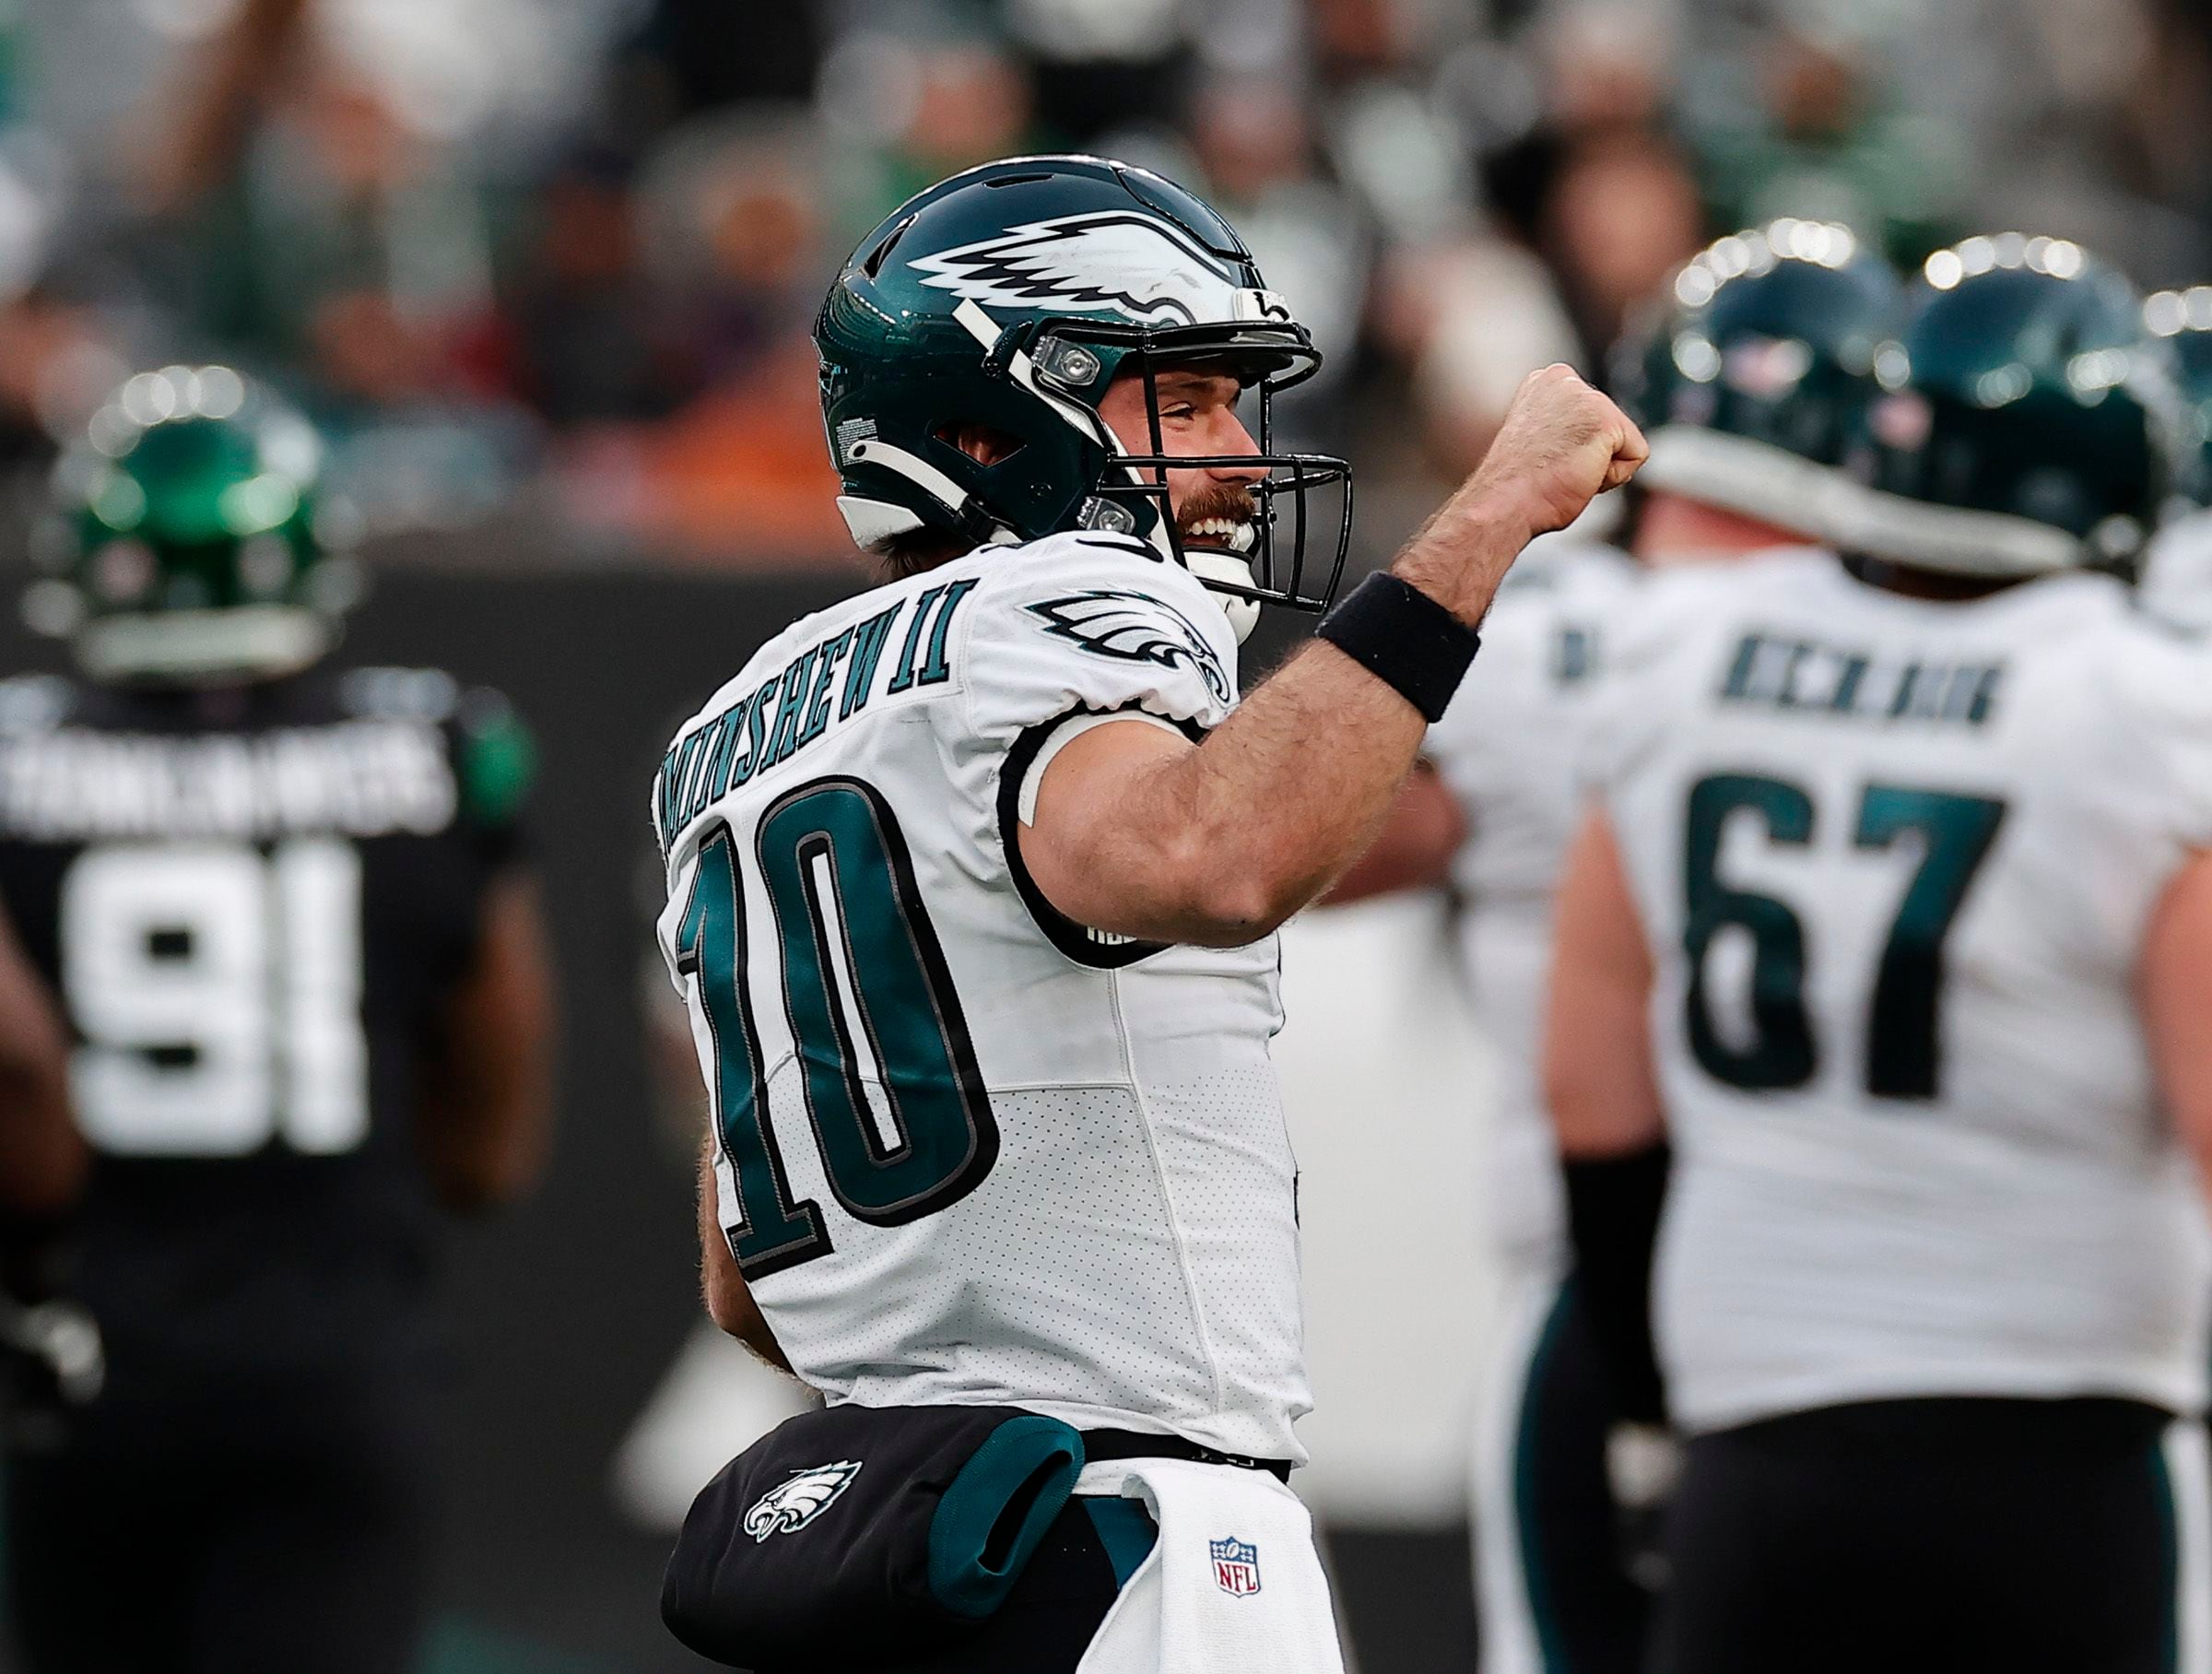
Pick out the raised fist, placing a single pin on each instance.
(1561, 444)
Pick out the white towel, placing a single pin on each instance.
(1233, 1585)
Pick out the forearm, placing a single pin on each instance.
(1220, 844)
(485, 1129)
(1420, 833)
(487, 1093)
(42, 1159)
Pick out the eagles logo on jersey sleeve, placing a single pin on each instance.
(1096, 622)
(1077, 630)
(1133, 626)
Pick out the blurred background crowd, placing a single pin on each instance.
(544, 272)
(545, 268)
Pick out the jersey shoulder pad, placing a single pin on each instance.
(35, 704)
(1100, 622)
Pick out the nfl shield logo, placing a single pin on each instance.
(1236, 1566)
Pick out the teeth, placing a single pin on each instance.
(1236, 534)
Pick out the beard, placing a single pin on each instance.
(1215, 502)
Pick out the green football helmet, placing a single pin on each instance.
(2183, 318)
(188, 543)
(2029, 423)
(1746, 375)
(1011, 296)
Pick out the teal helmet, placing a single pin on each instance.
(2029, 423)
(187, 541)
(1011, 296)
(1748, 373)
(2183, 319)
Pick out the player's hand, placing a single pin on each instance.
(1562, 443)
(52, 1362)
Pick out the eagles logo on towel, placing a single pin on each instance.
(794, 1503)
(1236, 1566)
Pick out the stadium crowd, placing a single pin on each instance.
(545, 271)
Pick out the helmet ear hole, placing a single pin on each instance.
(984, 443)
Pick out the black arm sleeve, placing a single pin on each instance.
(1613, 1205)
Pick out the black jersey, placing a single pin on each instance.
(253, 905)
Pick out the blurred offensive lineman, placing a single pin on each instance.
(284, 914)
(1745, 379)
(2177, 570)
(973, 883)
(1895, 901)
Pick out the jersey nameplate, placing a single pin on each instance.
(1803, 675)
(356, 779)
(823, 687)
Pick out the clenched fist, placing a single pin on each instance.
(1562, 443)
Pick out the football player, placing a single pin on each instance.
(2177, 570)
(973, 881)
(1894, 901)
(284, 910)
(1745, 377)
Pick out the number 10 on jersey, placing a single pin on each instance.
(894, 1097)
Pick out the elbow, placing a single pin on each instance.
(1231, 905)
(485, 1183)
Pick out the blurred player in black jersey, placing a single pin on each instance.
(284, 914)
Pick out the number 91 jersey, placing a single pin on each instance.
(252, 905)
(967, 1152)
(1895, 859)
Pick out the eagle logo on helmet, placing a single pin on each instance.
(1108, 262)
(1133, 627)
(794, 1503)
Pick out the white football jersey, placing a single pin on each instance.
(969, 1153)
(1894, 859)
(2177, 570)
(1507, 750)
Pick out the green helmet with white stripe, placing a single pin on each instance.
(1011, 296)
(1749, 373)
(2028, 421)
(188, 541)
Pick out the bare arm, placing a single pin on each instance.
(1414, 850)
(488, 1090)
(729, 1304)
(2176, 981)
(1598, 1076)
(1143, 835)
(43, 1158)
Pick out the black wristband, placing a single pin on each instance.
(1613, 1209)
(1405, 638)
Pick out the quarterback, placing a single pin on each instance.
(973, 882)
